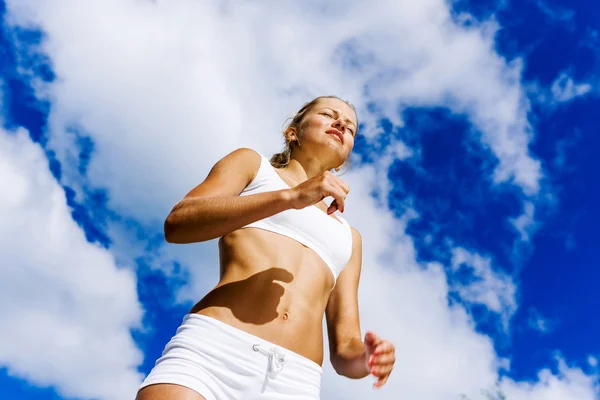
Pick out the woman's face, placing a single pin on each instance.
(328, 129)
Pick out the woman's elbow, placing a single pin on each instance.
(178, 231)
(170, 229)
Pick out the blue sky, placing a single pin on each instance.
(446, 176)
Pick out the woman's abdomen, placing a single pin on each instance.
(272, 287)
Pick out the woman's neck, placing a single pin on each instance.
(302, 170)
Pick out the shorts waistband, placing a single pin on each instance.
(234, 333)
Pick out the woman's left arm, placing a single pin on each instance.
(350, 355)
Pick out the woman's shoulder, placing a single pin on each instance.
(245, 156)
(245, 159)
(241, 161)
(248, 154)
(245, 152)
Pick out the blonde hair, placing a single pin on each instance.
(281, 160)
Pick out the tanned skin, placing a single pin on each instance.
(270, 285)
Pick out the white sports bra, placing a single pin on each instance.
(311, 226)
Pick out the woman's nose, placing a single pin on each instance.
(339, 125)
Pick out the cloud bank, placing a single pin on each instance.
(66, 308)
(164, 89)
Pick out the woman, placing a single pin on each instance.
(286, 260)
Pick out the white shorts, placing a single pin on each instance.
(221, 362)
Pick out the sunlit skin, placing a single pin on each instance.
(270, 285)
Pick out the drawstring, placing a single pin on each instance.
(275, 363)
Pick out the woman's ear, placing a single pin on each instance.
(291, 136)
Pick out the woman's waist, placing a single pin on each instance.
(273, 304)
(215, 340)
(294, 331)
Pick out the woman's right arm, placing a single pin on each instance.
(214, 207)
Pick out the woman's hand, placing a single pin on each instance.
(380, 357)
(318, 187)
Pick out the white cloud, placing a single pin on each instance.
(564, 89)
(490, 287)
(537, 322)
(166, 81)
(567, 383)
(556, 13)
(166, 88)
(66, 308)
(525, 223)
(593, 361)
(439, 353)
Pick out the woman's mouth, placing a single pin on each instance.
(337, 134)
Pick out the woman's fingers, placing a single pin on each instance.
(338, 190)
(345, 187)
(319, 187)
(332, 207)
(340, 199)
(381, 381)
(383, 359)
(382, 356)
(372, 340)
(382, 373)
(384, 347)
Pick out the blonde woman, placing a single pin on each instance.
(286, 259)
